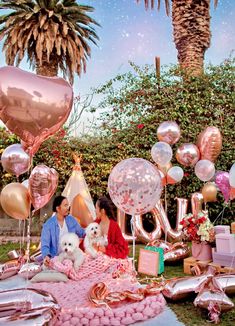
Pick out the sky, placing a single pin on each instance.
(130, 33)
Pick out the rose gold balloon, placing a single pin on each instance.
(211, 292)
(168, 132)
(45, 316)
(33, 107)
(196, 203)
(232, 193)
(29, 270)
(176, 234)
(43, 182)
(181, 287)
(165, 168)
(209, 143)
(80, 210)
(209, 192)
(15, 201)
(140, 232)
(15, 160)
(122, 222)
(172, 252)
(188, 154)
(9, 269)
(226, 282)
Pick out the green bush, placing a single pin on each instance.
(133, 106)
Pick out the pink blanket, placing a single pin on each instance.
(73, 295)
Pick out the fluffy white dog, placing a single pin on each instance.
(93, 237)
(70, 250)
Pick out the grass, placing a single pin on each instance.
(185, 310)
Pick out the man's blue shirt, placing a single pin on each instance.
(51, 231)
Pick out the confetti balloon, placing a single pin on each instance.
(135, 186)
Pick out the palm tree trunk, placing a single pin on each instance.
(49, 69)
(191, 30)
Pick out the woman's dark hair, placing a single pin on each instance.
(57, 202)
(108, 206)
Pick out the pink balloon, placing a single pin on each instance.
(15, 160)
(204, 170)
(188, 154)
(175, 174)
(222, 181)
(43, 182)
(33, 107)
(135, 186)
(169, 132)
(161, 153)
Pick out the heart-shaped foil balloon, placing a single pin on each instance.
(33, 107)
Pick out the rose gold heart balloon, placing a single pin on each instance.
(188, 154)
(209, 143)
(43, 182)
(33, 107)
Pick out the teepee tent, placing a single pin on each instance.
(78, 195)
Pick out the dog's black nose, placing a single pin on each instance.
(95, 232)
(65, 249)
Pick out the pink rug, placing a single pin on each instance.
(78, 310)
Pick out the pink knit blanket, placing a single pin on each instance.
(78, 310)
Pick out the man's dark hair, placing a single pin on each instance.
(57, 202)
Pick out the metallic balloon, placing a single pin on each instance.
(39, 317)
(43, 183)
(36, 256)
(222, 182)
(134, 186)
(226, 282)
(169, 132)
(26, 299)
(196, 203)
(211, 292)
(232, 176)
(172, 252)
(15, 200)
(209, 143)
(15, 160)
(33, 107)
(181, 287)
(29, 270)
(209, 192)
(122, 222)
(140, 232)
(188, 154)
(232, 193)
(9, 269)
(176, 234)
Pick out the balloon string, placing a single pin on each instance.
(133, 236)
(222, 215)
(165, 200)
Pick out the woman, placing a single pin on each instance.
(57, 225)
(117, 246)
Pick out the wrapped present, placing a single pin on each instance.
(151, 261)
(224, 259)
(222, 229)
(225, 243)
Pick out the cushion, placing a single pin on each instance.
(49, 276)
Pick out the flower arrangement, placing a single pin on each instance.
(198, 228)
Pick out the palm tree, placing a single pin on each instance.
(53, 33)
(191, 30)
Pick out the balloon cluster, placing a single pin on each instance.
(34, 108)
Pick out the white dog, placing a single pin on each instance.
(70, 250)
(93, 237)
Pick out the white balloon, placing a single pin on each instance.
(175, 174)
(204, 170)
(161, 153)
(232, 176)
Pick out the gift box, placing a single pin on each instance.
(225, 243)
(223, 259)
(233, 227)
(222, 229)
(151, 261)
